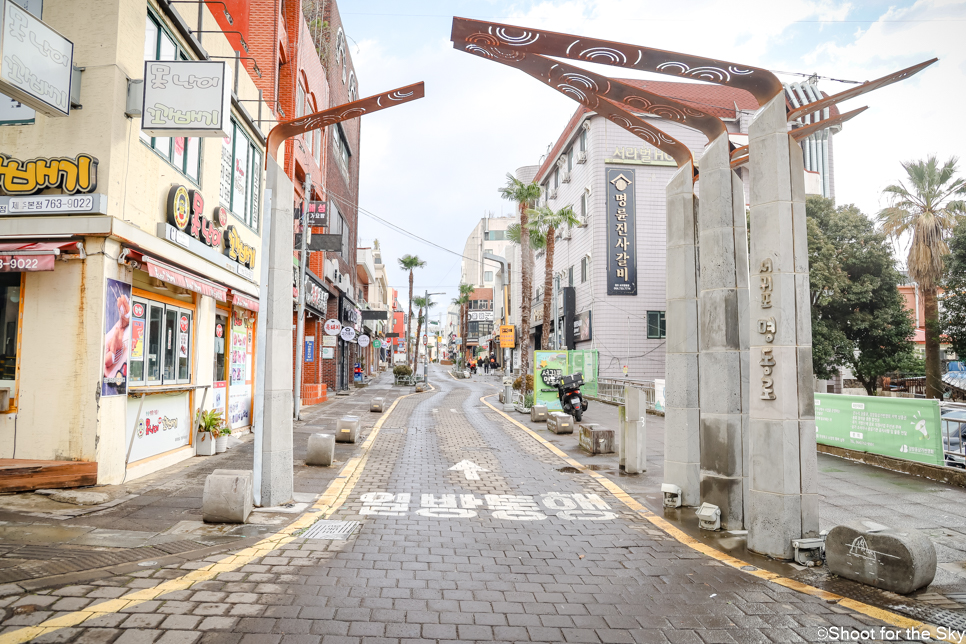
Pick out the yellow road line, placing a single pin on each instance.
(334, 496)
(865, 609)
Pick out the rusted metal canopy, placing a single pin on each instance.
(342, 112)
(761, 83)
(800, 133)
(858, 90)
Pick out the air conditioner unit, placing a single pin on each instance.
(553, 193)
(567, 233)
(565, 177)
(581, 156)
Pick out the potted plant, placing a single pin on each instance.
(209, 424)
(221, 441)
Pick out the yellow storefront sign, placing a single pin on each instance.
(507, 336)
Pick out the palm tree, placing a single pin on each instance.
(548, 221)
(424, 304)
(926, 210)
(526, 195)
(410, 263)
(466, 290)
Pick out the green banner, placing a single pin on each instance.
(906, 428)
(548, 367)
(585, 361)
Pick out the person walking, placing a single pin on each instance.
(486, 366)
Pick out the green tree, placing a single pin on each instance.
(926, 210)
(525, 195)
(858, 317)
(549, 221)
(953, 319)
(424, 304)
(463, 302)
(410, 263)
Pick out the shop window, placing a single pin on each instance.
(9, 322)
(342, 151)
(655, 325)
(241, 171)
(181, 152)
(221, 339)
(161, 343)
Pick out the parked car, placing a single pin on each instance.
(953, 422)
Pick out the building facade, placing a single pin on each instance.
(132, 258)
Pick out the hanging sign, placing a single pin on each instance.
(348, 333)
(186, 98)
(363, 340)
(70, 175)
(36, 62)
(315, 214)
(621, 235)
(507, 336)
(332, 327)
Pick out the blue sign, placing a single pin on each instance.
(309, 350)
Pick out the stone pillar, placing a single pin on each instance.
(723, 334)
(784, 500)
(682, 450)
(275, 314)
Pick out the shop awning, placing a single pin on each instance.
(28, 257)
(244, 301)
(37, 248)
(184, 279)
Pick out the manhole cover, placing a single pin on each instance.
(330, 530)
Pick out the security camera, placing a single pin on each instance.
(672, 493)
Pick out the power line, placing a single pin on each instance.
(652, 19)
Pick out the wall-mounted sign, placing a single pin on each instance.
(480, 316)
(36, 62)
(27, 177)
(621, 235)
(186, 213)
(507, 336)
(328, 353)
(377, 344)
(630, 155)
(364, 341)
(117, 338)
(348, 333)
(13, 112)
(238, 250)
(320, 242)
(186, 98)
(332, 327)
(583, 329)
(163, 425)
(315, 213)
(309, 348)
(315, 296)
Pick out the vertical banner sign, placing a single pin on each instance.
(239, 391)
(621, 235)
(548, 367)
(904, 428)
(309, 348)
(117, 338)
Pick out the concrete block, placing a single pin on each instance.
(377, 404)
(227, 496)
(321, 450)
(420, 387)
(632, 417)
(720, 382)
(347, 429)
(681, 273)
(898, 560)
(596, 440)
(775, 519)
(538, 414)
(682, 334)
(560, 423)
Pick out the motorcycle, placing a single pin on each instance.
(568, 392)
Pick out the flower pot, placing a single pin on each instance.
(221, 444)
(204, 444)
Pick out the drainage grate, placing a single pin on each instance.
(330, 530)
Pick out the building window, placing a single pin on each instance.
(583, 270)
(338, 226)
(318, 144)
(241, 171)
(655, 325)
(556, 178)
(181, 152)
(583, 207)
(570, 276)
(353, 87)
(488, 276)
(583, 140)
(494, 235)
(342, 150)
(299, 101)
(10, 295)
(570, 159)
(161, 343)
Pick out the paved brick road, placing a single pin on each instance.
(526, 553)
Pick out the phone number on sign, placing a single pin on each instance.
(26, 263)
(52, 204)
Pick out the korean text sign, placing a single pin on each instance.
(621, 235)
(905, 428)
(186, 98)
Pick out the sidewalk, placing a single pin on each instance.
(45, 541)
(848, 490)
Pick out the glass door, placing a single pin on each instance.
(154, 342)
(169, 350)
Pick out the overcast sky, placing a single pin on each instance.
(433, 167)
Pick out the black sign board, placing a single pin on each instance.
(320, 242)
(621, 232)
(315, 213)
(392, 335)
(374, 315)
(570, 306)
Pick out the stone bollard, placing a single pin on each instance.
(321, 450)
(596, 440)
(377, 404)
(347, 429)
(900, 561)
(560, 423)
(420, 387)
(632, 417)
(227, 497)
(538, 414)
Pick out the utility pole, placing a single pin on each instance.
(300, 323)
